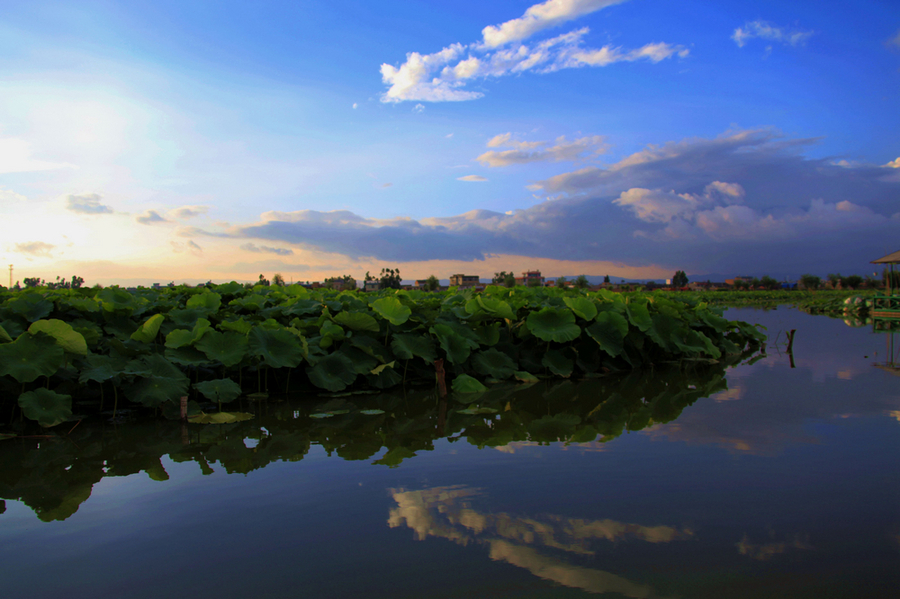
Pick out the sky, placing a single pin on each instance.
(189, 141)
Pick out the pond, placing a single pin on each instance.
(776, 478)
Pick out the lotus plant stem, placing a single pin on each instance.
(101, 396)
(405, 366)
(287, 386)
(258, 380)
(115, 400)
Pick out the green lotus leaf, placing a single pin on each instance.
(558, 363)
(229, 288)
(219, 418)
(47, 407)
(13, 328)
(276, 348)
(187, 318)
(179, 338)
(454, 345)
(392, 310)
(30, 356)
(240, 326)
(385, 378)
(30, 306)
(113, 299)
(479, 410)
(491, 306)
(186, 356)
(84, 304)
(371, 412)
(662, 330)
(251, 302)
(488, 334)
(304, 306)
(219, 390)
(363, 363)
(407, 346)
(493, 363)
(91, 332)
(334, 372)
(227, 348)
(100, 368)
(295, 291)
(609, 332)
(553, 324)
(208, 301)
(379, 369)
(372, 347)
(525, 377)
(147, 331)
(161, 381)
(466, 384)
(357, 321)
(331, 331)
(4, 336)
(712, 320)
(582, 307)
(639, 315)
(553, 428)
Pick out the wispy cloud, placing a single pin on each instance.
(7, 195)
(87, 203)
(767, 31)
(38, 249)
(442, 76)
(472, 178)
(895, 41)
(16, 156)
(188, 246)
(523, 152)
(150, 217)
(186, 212)
(264, 249)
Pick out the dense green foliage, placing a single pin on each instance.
(154, 346)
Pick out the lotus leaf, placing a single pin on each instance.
(30, 356)
(179, 338)
(187, 318)
(454, 345)
(558, 427)
(227, 348)
(186, 356)
(91, 332)
(229, 288)
(525, 377)
(4, 336)
(162, 381)
(479, 410)
(639, 315)
(100, 368)
(47, 407)
(493, 363)
(466, 384)
(220, 418)
(392, 310)
(363, 363)
(357, 321)
(113, 299)
(371, 347)
(385, 378)
(13, 328)
(609, 332)
(553, 324)
(219, 390)
(210, 302)
(582, 307)
(331, 330)
(379, 369)
(30, 306)
(491, 306)
(84, 304)
(488, 334)
(558, 363)
(147, 331)
(333, 372)
(276, 348)
(371, 412)
(663, 328)
(240, 326)
(407, 346)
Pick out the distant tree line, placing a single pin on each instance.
(75, 283)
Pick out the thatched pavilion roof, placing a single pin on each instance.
(889, 259)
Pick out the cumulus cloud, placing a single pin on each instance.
(472, 178)
(186, 212)
(523, 152)
(419, 108)
(7, 195)
(355, 106)
(150, 217)
(894, 163)
(539, 17)
(16, 156)
(87, 203)
(744, 201)
(442, 76)
(264, 249)
(767, 31)
(189, 246)
(38, 249)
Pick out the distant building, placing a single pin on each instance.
(528, 276)
(372, 285)
(464, 281)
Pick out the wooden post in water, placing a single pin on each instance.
(441, 377)
(790, 347)
(184, 400)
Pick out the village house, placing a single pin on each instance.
(464, 281)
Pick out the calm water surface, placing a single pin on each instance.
(752, 480)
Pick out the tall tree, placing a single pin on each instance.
(679, 279)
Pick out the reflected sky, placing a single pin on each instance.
(741, 480)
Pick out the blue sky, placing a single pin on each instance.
(217, 140)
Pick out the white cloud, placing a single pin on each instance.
(150, 217)
(16, 156)
(894, 163)
(471, 178)
(189, 246)
(186, 212)
(87, 203)
(538, 151)
(419, 108)
(448, 136)
(249, 247)
(768, 31)
(35, 248)
(539, 17)
(441, 77)
(355, 106)
(7, 195)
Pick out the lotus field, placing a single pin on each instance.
(216, 343)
